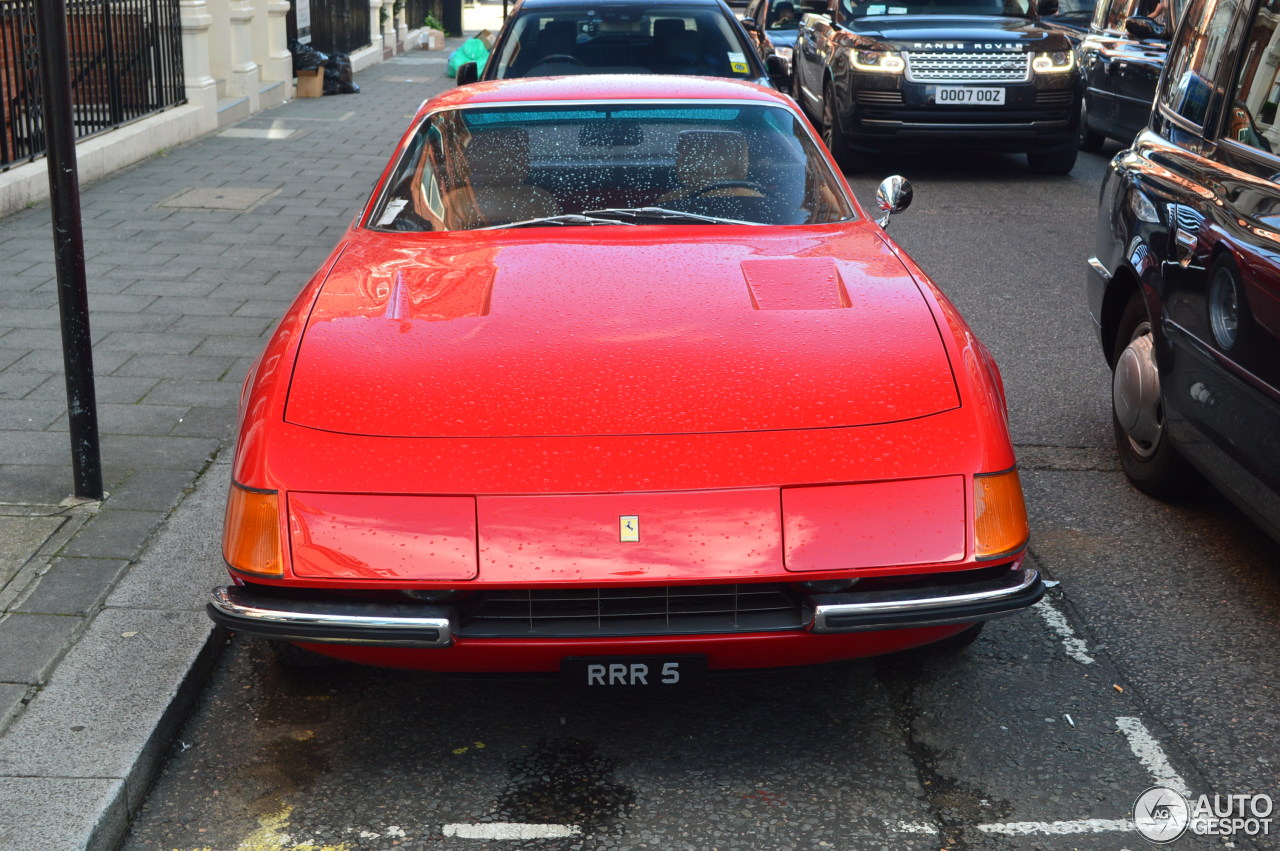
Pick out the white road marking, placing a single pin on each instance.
(911, 827)
(512, 830)
(1073, 644)
(1144, 747)
(1043, 828)
(1151, 755)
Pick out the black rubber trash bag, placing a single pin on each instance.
(337, 76)
(306, 57)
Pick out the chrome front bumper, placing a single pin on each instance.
(270, 615)
(930, 605)
(330, 621)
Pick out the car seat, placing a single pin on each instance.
(498, 166)
(711, 164)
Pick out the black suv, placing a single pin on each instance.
(880, 74)
(1122, 58)
(1185, 286)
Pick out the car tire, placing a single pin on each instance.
(1091, 141)
(833, 137)
(1137, 410)
(292, 656)
(1057, 162)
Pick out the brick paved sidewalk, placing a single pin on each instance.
(192, 256)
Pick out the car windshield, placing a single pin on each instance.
(637, 39)
(620, 164)
(854, 9)
(782, 16)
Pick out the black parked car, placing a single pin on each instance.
(1185, 287)
(1122, 58)
(552, 38)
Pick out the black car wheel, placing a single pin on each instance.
(833, 136)
(1137, 409)
(1090, 140)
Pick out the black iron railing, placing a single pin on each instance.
(126, 63)
(416, 11)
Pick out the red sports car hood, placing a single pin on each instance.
(610, 331)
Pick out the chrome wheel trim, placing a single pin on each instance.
(1135, 393)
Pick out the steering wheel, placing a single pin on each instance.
(560, 57)
(728, 184)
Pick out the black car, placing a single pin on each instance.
(1122, 58)
(552, 38)
(773, 27)
(985, 74)
(1185, 287)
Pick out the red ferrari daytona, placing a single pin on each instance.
(612, 377)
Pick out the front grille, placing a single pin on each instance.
(585, 612)
(1055, 99)
(872, 98)
(938, 66)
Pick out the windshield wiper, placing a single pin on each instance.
(566, 220)
(662, 214)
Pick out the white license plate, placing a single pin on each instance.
(630, 671)
(968, 96)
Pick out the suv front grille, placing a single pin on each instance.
(674, 610)
(938, 66)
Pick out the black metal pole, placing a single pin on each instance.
(68, 245)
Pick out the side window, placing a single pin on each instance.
(1251, 111)
(1188, 84)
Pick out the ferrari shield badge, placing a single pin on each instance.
(629, 528)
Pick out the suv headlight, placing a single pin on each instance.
(878, 61)
(1056, 62)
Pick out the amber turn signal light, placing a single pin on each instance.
(999, 515)
(251, 532)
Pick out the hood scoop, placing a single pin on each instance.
(808, 283)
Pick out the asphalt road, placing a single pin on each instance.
(1153, 660)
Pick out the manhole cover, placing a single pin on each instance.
(269, 133)
(240, 199)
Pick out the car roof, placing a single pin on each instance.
(588, 88)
